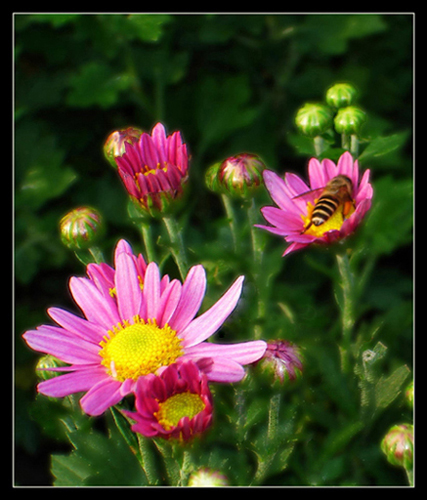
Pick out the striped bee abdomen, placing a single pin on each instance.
(324, 208)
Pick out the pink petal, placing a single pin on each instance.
(295, 185)
(96, 307)
(345, 165)
(76, 325)
(365, 189)
(192, 294)
(208, 323)
(294, 247)
(316, 174)
(330, 170)
(168, 302)
(273, 230)
(151, 290)
(225, 370)
(67, 348)
(278, 192)
(286, 222)
(70, 383)
(101, 396)
(128, 290)
(243, 353)
(102, 275)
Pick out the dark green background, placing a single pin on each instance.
(229, 83)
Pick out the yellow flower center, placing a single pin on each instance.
(130, 351)
(334, 222)
(178, 406)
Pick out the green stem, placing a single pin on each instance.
(97, 254)
(410, 475)
(345, 141)
(177, 245)
(257, 251)
(229, 210)
(257, 246)
(347, 305)
(148, 242)
(354, 145)
(318, 143)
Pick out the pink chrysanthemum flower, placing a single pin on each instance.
(154, 169)
(296, 200)
(175, 404)
(136, 323)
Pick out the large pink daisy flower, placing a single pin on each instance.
(295, 200)
(136, 323)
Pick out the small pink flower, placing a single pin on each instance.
(154, 169)
(175, 404)
(290, 218)
(136, 323)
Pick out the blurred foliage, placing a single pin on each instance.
(229, 83)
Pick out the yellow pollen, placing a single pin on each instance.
(178, 406)
(334, 222)
(133, 350)
(155, 170)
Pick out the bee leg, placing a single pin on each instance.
(307, 227)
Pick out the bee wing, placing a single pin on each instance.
(309, 195)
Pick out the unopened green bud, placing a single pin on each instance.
(409, 395)
(398, 445)
(45, 367)
(207, 477)
(340, 95)
(81, 228)
(115, 145)
(314, 119)
(238, 176)
(349, 120)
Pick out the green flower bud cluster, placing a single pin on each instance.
(339, 112)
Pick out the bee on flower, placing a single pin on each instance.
(326, 210)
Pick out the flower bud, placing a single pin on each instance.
(398, 445)
(238, 176)
(46, 365)
(409, 395)
(283, 359)
(115, 145)
(340, 95)
(81, 228)
(313, 119)
(155, 170)
(207, 477)
(349, 120)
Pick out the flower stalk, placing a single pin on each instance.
(346, 302)
(177, 245)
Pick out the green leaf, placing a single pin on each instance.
(330, 34)
(148, 27)
(388, 388)
(97, 85)
(42, 184)
(384, 145)
(223, 108)
(97, 459)
(389, 222)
